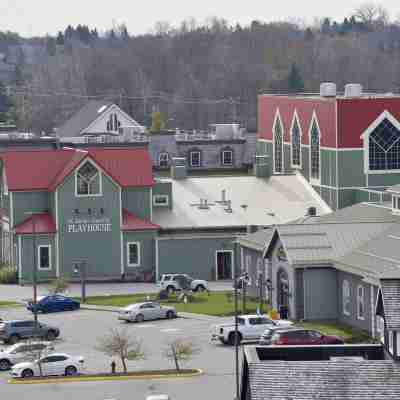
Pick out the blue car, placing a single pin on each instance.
(54, 303)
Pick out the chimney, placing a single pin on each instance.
(353, 90)
(178, 168)
(327, 89)
(262, 168)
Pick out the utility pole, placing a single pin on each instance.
(236, 336)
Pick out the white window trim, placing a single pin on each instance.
(163, 153)
(191, 158)
(315, 181)
(345, 312)
(138, 251)
(365, 137)
(295, 118)
(38, 257)
(278, 116)
(249, 259)
(390, 342)
(360, 317)
(99, 171)
(223, 157)
(5, 185)
(160, 196)
(396, 204)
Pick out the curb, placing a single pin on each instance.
(84, 378)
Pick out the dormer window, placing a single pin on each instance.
(88, 181)
(396, 203)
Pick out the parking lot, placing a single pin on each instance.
(80, 330)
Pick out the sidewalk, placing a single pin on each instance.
(181, 314)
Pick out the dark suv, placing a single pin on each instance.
(12, 331)
(301, 337)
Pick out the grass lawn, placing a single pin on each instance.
(348, 333)
(218, 303)
(5, 304)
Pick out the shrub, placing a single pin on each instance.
(8, 274)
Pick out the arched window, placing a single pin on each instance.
(314, 151)
(278, 147)
(296, 144)
(384, 147)
(163, 159)
(113, 123)
(346, 300)
(88, 180)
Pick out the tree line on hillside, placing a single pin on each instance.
(199, 74)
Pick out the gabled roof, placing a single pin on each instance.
(46, 169)
(41, 223)
(256, 240)
(390, 290)
(324, 380)
(394, 189)
(131, 222)
(83, 118)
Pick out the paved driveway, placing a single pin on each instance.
(81, 329)
(16, 292)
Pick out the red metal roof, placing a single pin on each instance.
(37, 223)
(132, 223)
(47, 169)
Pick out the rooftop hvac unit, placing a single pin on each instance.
(353, 90)
(327, 89)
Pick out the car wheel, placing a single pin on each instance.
(27, 373)
(13, 339)
(71, 370)
(170, 290)
(200, 288)
(4, 365)
(231, 338)
(139, 318)
(51, 335)
(170, 314)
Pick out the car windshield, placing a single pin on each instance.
(131, 307)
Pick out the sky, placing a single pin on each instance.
(40, 17)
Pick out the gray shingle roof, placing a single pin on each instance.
(325, 380)
(83, 118)
(391, 302)
(257, 240)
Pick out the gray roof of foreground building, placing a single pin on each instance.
(325, 380)
(83, 118)
(257, 239)
(391, 301)
(254, 201)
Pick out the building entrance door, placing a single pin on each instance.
(224, 260)
(283, 293)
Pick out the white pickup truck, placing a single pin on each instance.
(250, 328)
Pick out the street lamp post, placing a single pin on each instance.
(80, 268)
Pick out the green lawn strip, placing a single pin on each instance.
(7, 304)
(348, 333)
(217, 304)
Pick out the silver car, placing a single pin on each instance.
(146, 311)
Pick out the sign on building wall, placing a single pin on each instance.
(80, 225)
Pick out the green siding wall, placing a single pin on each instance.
(29, 201)
(137, 201)
(383, 179)
(100, 250)
(146, 270)
(328, 167)
(27, 255)
(194, 256)
(264, 148)
(305, 162)
(351, 168)
(287, 158)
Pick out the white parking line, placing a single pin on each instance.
(147, 326)
(170, 330)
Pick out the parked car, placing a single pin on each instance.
(146, 311)
(265, 338)
(175, 282)
(12, 331)
(21, 352)
(303, 337)
(52, 364)
(53, 303)
(158, 397)
(250, 328)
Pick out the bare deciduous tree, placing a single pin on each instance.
(118, 343)
(35, 350)
(372, 14)
(180, 349)
(59, 285)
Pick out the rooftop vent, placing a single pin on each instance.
(312, 211)
(327, 89)
(228, 208)
(353, 90)
(203, 204)
(101, 109)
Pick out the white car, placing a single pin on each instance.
(174, 282)
(52, 364)
(250, 328)
(22, 352)
(140, 312)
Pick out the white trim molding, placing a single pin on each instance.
(19, 258)
(137, 244)
(57, 235)
(360, 300)
(100, 175)
(232, 262)
(158, 197)
(38, 257)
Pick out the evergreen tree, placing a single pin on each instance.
(295, 80)
(60, 39)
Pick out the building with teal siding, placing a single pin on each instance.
(102, 208)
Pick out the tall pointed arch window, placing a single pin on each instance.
(384, 147)
(296, 144)
(314, 151)
(278, 147)
(88, 181)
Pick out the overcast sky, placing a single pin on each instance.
(38, 17)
